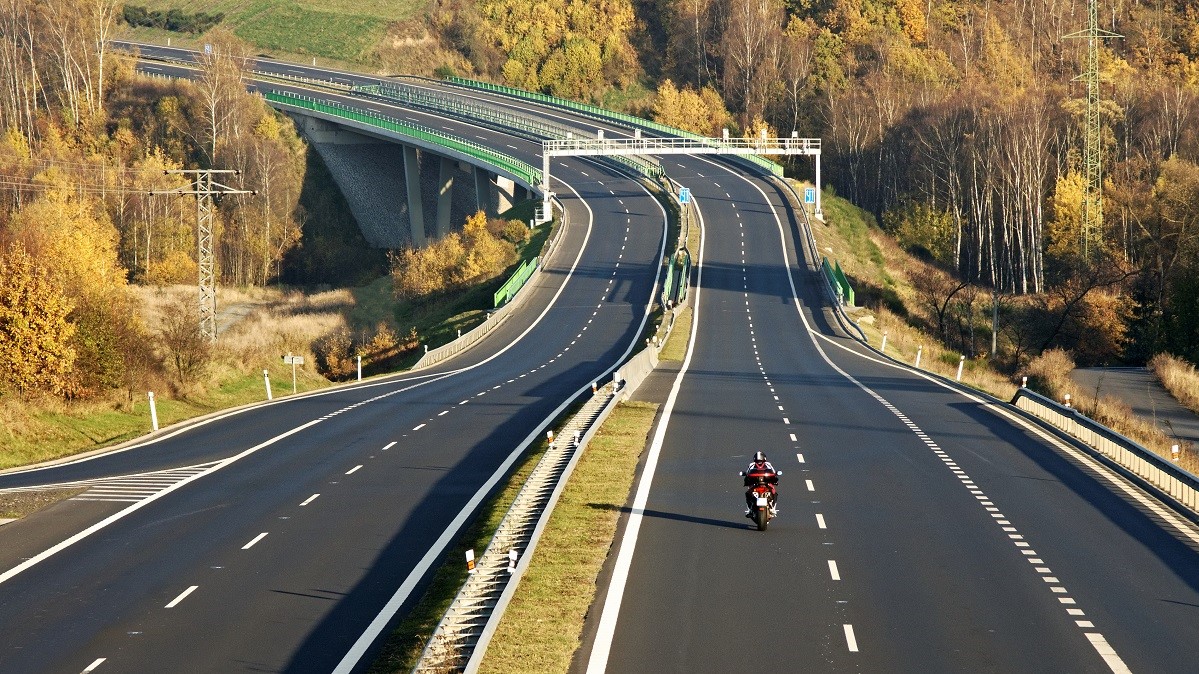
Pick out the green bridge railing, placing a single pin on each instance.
(515, 282)
(531, 175)
(597, 112)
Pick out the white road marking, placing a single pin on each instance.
(310, 499)
(98, 661)
(820, 521)
(786, 421)
(442, 414)
(464, 401)
(1107, 653)
(257, 538)
(832, 570)
(793, 438)
(354, 469)
(389, 445)
(850, 639)
(811, 487)
(800, 457)
(420, 426)
(182, 596)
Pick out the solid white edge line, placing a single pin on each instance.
(602, 646)
(182, 596)
(257, 538)
(92, 667)
(383, 618)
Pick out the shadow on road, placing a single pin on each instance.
(678, 517)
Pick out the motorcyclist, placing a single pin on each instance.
(760, 471)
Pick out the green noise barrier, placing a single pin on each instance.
(515, 282)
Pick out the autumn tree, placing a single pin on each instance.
(35, 335)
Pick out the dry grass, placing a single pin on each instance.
(676, 344)
(1179, 377)
(571, 552)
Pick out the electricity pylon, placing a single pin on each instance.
(1092, 156)
(205, 188)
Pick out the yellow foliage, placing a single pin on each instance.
(35, 335)
(699, 112)
(177, 267)
(1063, 233)
(911, 19)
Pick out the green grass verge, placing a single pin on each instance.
(406, 642)
(572, 549)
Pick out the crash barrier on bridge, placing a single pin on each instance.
(461, 638)
(1178, 484)
(526, 172)
(472, 337)
(515, 282)
(601, 114)
(461, 108)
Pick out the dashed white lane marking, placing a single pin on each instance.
(786, 421)
(443, 413)
(420, 426)
(793, 438)
(389, 445)
(810, 486)
(353, 470)
(257, 538)
(463, 402)
(820, 521)
(310, 499)
(92, 667)
(800, 457)
(182, 596)
(833, 571)
(850, 639)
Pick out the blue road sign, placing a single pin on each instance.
(684, 195)
(809, 195)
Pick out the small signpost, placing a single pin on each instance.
(684, 195)
(293, 361)
(809, 195)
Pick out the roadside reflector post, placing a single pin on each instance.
(293, 376)
(470, 561)
(576, 438)
(426, 348)
(1067, 400)
(1023, 382)
(549, 437)
(266, 378)
(883, 348)
(919, 352)
(359, 368)
(154, 413)
(1174, 451)
(512, 557)
(594, 388)
(961, 364)
(459, 333)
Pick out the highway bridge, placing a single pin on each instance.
(923, 528)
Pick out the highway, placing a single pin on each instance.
(921, 528)
(305, 519)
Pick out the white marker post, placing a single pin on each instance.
(470, 561)
(266, 378)
(512, 557)
(359, 368)
(961, 364)
(919, 352)
(883, 348)
(1067, 400)
(1023, 382)
(1174, 452)
(154, 413)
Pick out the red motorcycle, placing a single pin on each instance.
(762, 497)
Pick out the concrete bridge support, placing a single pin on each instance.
(445, 196)
(416, 208)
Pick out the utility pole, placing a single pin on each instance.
(1092, 156)
(204, 188)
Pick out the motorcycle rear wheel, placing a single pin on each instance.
(761, 518)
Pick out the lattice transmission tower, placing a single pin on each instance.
(204, 188)
(1092, 155)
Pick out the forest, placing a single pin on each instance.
(956, 123)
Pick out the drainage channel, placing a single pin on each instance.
(461, 638)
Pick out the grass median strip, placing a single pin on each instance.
(543, 625)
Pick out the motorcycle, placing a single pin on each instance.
(763, 497)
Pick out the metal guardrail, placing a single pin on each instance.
(515, 282)
(601, 114)
(700, 145)
(461, 638)
(1180, 485)
(527, 172)
(496, 118)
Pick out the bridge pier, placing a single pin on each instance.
(484, 192)
(416, 208)
(445, 196)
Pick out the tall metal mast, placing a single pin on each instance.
(1092, 156)
(205, 188)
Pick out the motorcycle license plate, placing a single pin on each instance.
(763, 501)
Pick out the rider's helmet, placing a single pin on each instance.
(759, 457)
